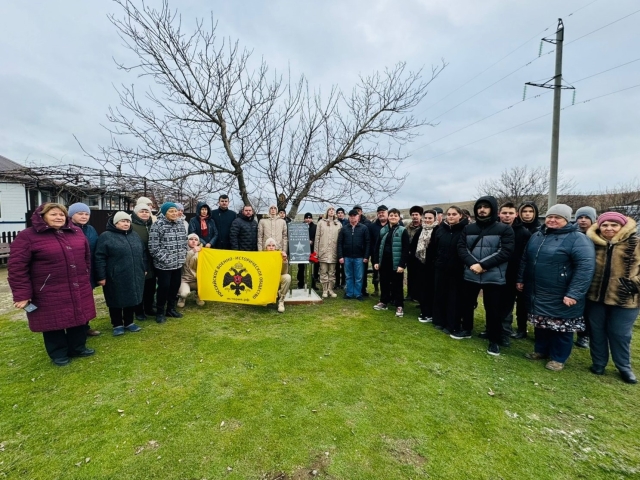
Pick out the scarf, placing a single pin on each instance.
(204, 228)
(423, 241)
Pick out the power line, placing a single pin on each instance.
(528, 121)
(604, 26)
(498, 61)
(518, 103)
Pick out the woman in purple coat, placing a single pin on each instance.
(50, 269)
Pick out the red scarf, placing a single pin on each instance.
(204, 229)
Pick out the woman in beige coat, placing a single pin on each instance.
(189, 280)
(272, 227)
(326, 246)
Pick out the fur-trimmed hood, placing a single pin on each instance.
(625, 232)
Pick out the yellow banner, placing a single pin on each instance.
(232, 276)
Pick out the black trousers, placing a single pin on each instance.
(492, 296)
(65, 343)
(425, 286)
(447, 308)
(147, 298)
(121, 317)
(511, 296)
(413, 279)
(391, 284)
(168, 285)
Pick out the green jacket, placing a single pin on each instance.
(399, 246)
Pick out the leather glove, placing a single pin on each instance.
(629, 286)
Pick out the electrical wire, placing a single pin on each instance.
(598, 29)
(498, 61)
(526, 122)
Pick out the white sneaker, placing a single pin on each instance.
(332, 294)
(281, 307)
(181, 302)
(399, 312)
(422, 319)
(325, 294)
(199, 302)
(380, 306)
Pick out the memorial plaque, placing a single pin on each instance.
(299, 247)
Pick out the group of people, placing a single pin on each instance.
(562, 277)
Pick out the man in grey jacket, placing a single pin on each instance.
(485, 248)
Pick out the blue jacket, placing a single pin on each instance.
(92, 238)
(557, 263)
(194, 226)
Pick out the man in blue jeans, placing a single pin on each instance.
(354, 248)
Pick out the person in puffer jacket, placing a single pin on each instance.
(189, 278)
(204, 226)
(555, 273)
(484, 248)
(168, 248)
(244, 231)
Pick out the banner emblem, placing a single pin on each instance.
(237, 281)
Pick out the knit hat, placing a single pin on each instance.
(561, 210)
(179, 206)
(77, 208)
(416, 209)
(612, 217)
(141, 206)
(121, 216)
(340, 209)
(308, 215)
(589, 212)
(145, 200)
(193, 235)
(382, 208)
(166, 206)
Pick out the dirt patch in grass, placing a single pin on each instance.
(317, 469)
(403, 451)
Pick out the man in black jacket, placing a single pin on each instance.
(308, 219)
(354, 250)
(244, 231)
(528, 214)
(509, 216)
(223, 218)
(485, 247)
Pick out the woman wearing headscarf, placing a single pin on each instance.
(120, 269)
(420, 249)
(141, 221)
(79, 213)
(271, 245)
(168, 247)
(189, 279)
(326, 246)
(613, 301)
(204, 226)
(555, 273)
(49, 275)
(448, 271)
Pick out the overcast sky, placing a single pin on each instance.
(58, 73)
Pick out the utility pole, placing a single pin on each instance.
(557, 94)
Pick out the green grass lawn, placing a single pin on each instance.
(335, 391)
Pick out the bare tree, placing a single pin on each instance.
(522, 183)
(210, 117)
(623, 198)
